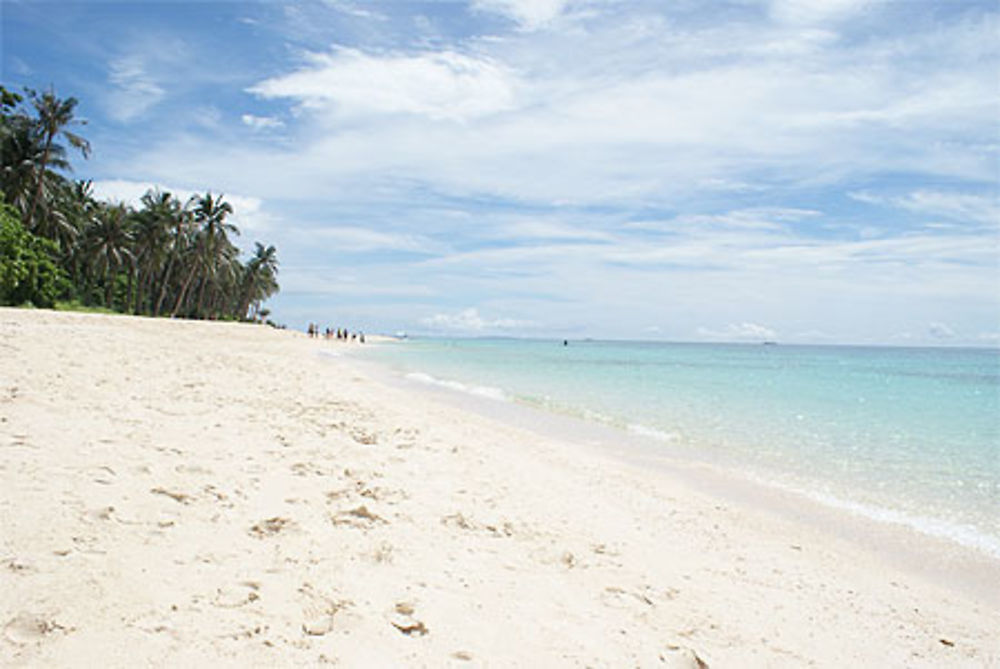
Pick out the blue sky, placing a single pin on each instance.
(802, 170)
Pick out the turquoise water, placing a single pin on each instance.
(904, 435)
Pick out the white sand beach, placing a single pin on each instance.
(178, 493)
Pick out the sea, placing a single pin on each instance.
(907, 436)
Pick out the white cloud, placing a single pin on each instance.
(438, 85)
(761, 218)
(726, 139)
(992, 338)
(530, 14)
(324, 281)
(356, 239)
(817, 11)
(469, 321)
(963, 207)
(351, 9)
(739, 331)
(133, 90)
(939, 330)
(536, 229)
(248, 212)
(262, 122)
(655, 115)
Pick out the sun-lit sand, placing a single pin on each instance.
(202, 494)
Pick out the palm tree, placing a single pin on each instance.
(54, 115)
(67, 206)
(22, 151)
(166, 250)
(107, 245)
(259, 279)
(212, 247)
(154, 224)
(77, 206)
(179, 243)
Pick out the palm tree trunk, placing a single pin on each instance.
(184, 289)
(141, 280)
(163, 287)
(41, 179)
(128, 291)
(109, 287)
(201, 298)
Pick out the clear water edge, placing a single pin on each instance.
(902, 436)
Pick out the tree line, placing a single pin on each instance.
(59, 243)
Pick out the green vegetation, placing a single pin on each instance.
(60, 246)
(28, 272)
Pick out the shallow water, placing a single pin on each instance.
(904, 435)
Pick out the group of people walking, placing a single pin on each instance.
(340, 334)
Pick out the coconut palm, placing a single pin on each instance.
(77, 206)
(164, 251)
(180, 242)
(259, 279)
(212, 248)
(22, 152)
(107, 245)
(151, 243)
(54, 116)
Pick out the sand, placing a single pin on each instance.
(206, 494)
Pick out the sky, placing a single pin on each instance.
(807, 171)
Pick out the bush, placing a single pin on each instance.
(28, 273)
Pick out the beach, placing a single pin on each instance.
(179, 493)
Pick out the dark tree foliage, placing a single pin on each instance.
(60, 242)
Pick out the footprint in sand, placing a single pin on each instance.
(364, 437)
(360, 518)
(17, 565)
(25, 629)
(405, 437)
(320, 611)
(233, 597)
(269, 527)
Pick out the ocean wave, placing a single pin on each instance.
(488, 392)
(651, 432)
(960, 533)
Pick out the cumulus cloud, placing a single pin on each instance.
(731, 141)
(469, 320)
(739, 331)
(437, 85)
(249, 214)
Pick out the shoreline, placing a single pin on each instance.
(972, 570)
(192, 491)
